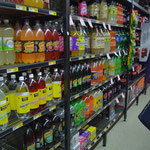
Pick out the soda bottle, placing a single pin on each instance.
(6, 81)
(94, 72)
(110, 92)
(3, 111)
(1, 46)
(27, 39)
(39, 44)
(8, 43)
(12, 92)
(88, 68)
(55, 36)
(62, 82)
(74, 80)
(83, 74)
(56, 86)
(48, 132)
(22, 99)
(95, 101)
(102, 41)
(29, 139)
(34, 97)
(100, 71)
(48, 41)
(18, 43)
(87, 105)
(91, 99)
(49, 91)
(61, 41)
(105, 95)
(79, 78)
(72, 118)
(104, 69)
(82, 9)
(5, 89)
(41, 91)
(82, 109)
(103, 10)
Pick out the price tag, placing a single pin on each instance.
(37, 116)
(93, 56)
(116, 54)
(133, 69)
(109, 26)
(11, 70)
(95, 140)
(82, 21)
(52, 108)
(108, 56)
(123, 96)
(52, 13)
(86, 91)
(115, 119)
(32, 9)
(118, 77)
(52, 148)
(119, 53)
(104, 25)
(57, 145)
(77, 96)
(71, 21)
(97, 21)
(17, 126)
(80, 58)
(105, 129)
(117, 100)
(87, 57)
(90, 22)
(20, 7)
(51, 63)
(111, 80)
(109, 126)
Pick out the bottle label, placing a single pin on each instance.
(89, 42)
(87, 108)
(82, 43)
(18, 46)
(84, 79)
(39, 142)
(83, 8)
(56, 89)
(56, 45)
(94, 75)
(75, 43)
(34, 100)
(8, 103)
(49, 92)
(3, 112)
(22, 101)
(105, 96)
(42, 96)
(86, 43)
(48, 136)
(96, 42)
(30, 147)
(75, 83)
(49, 46)
(1, 48)
(12, 99)
(80, 81)
(39, 46)
(27, 46)
(8, 43)
(70, 43)
(61, 43)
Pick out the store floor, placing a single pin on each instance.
(130, 135)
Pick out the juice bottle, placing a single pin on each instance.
(61, 41)
(100, 71)
(103, 10)
(87, 105)
(29, 139)
(102, 46)
(22, 99)
(110, 18)
(62, 82)
(41, 91)
(91, 99)
(29, 2)
(5, 89)
(48, 42)
(8, 43)
(1, 47)
(39, 44)
(55, 36)
(56, 86)
(18, 43)
(27, 38)
(24, 74)
(34, 99)
(82, 110)
(49, 91)
(12, 92)
(6, 81)
(82, 9)
(100, 98)
(74, 41)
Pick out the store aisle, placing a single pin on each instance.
(130, 135)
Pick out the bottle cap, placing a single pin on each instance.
(31, 76)
(56, 69)
(13, 76)
(40, 73)
(21, 78)
(5, 75)
(1, 78)
(24, 74)
(6, 21)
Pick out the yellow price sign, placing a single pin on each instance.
(52, 148)
(20, 7)
(105, 129)
(37, 116)
(32, 9)
(80, 58)
(52, 108)
(93, 56)
(52, 12)
(51, 63)
(17, 126)
(86, 91)
(11, 70)
(57, 145)
(77, 96)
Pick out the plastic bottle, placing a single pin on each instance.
(24, 74)
(6, 81)
(105, 95)
(100, 98)
(48, 41)
(110, 18)
(82, 110)
(62, 82)
(12, 92)
(8, 43)
(79, 78)
(112, 67)
(41, 91)
(91, 99)
(34, 97)
(49, 90)
(3, 111)
(102, 41)
(29, 139)
(74, 80)
(100, 71)
(56, 86)
(27, 38)
(87, 105)
(39, 44)
(86, 40)
(22, 99)
(95, 102)
(61, 41)
(72, 118)
(5, 89)
(1, 46)
(94, 72)
(18, 43)
(82, 9)
(103, 10)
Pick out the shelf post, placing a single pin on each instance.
(104, 139)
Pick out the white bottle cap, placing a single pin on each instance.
(24, 74)
(45, 71)
(1, 78)
(6, 21)
(21, 78)
(56, 69)
(5, 75)
(40, 73)
(31, 76)
(13, 76)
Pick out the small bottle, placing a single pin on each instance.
(22, 99)
(24, 74)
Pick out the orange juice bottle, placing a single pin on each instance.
(27, 38)
(39, 44)
(18, 43)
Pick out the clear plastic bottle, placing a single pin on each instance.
(102, 47)
(1, 47)
(8, 43)
(103, 10)
(5, 89)
(22, 99)
(6, 81)
(110, 18)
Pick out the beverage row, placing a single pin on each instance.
(112, 12)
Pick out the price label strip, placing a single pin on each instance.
(90, 22)
(52, 13)
(20, 7)
(17, 126)
(11, 70)
(37, 116)
(82, 21)
(52, 108)
(51, 63)
(32, 9)
(71, 21)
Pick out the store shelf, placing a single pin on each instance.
(21, 10)
(94, 87)
(23, 67)
(77, 18)
(16, 123)
(55, 146)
